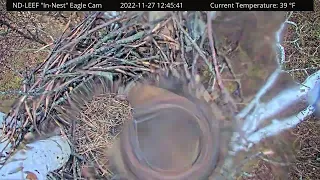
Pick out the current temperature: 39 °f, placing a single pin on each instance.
(285, 5)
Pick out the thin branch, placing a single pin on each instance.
(227, 96)
(32, 37)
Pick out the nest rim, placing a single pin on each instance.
(207, 159)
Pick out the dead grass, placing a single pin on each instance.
(307, 164)
(99, 124)
(302, 44)
(303, 55)
(261, 171)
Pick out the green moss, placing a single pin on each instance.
(231, 86)
(256, 72)
(242, 54)
(206, 75)
(9, 82)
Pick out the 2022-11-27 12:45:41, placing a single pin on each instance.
(150, 5)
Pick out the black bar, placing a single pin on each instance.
(160, 5)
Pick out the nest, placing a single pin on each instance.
(99, 124)
(91, 64)
(101, 49)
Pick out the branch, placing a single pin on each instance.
(227, 96)
(32, 37)
(283, 100)
(276, 127)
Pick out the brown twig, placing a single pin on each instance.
(32, 37)
(227, 96)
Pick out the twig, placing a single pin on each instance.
(162, 53)
(77, 40)
(32, 38)
(227, 96)
(132, 38)
(195, 60)
(202, 55)
(182, 50)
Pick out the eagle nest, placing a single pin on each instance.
(78, 87)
